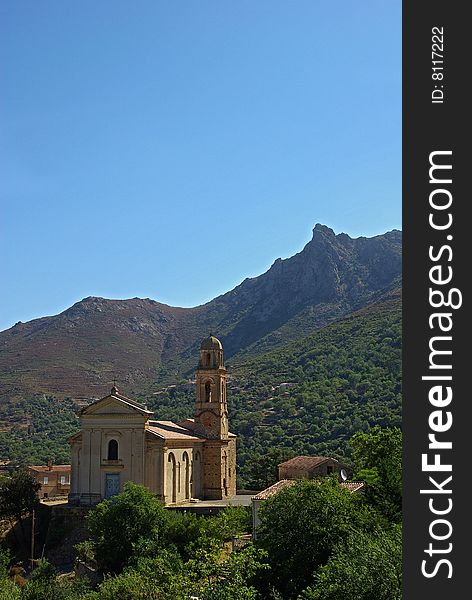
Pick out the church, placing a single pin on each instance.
(180, 462)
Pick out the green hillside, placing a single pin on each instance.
(347, 378)
(36, 429)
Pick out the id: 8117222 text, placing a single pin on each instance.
(437, 64)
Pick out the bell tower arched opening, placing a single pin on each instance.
(208, 391)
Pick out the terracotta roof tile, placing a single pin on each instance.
(274, 489)
(352, 486)
(43, 468)
(305, 462)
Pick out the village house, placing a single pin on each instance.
(309, 467)
(54, 479)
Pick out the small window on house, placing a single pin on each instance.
(112, 450)
(329, 470)
(45, 495)
(46, 481)
(63, 479)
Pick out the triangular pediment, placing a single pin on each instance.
(115, 404)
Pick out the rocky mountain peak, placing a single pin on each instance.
(320, 229)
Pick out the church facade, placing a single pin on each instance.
(179, 462)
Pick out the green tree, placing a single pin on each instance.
(18, 496)
(301, 526)
(130, 585)
(229, 522)
(44, 584)
(369, 566)
(8, 590)
(191, 534)
(4, 562)
(159, 578)
(378, 461)
(132, 522)
(233, 578)
(167, 577)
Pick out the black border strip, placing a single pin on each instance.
(436, 127)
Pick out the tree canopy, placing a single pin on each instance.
(378, 460)
(363, 567)
(132, 520)
(303, 524)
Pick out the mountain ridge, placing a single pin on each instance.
(82, 349)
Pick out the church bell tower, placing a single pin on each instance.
(211, 422)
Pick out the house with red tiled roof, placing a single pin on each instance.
(54, 479)
(179, 462)
(309, 467)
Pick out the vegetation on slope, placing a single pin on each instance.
(343, 379)
(347, 379)
(36, 430)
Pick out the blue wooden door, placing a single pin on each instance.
(112, 484)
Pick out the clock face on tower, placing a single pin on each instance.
(210, 422)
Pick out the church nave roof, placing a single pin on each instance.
(169, 430)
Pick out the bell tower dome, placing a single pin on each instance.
(211, 411)
(211, 353)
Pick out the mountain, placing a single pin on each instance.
(139, 341)
(308, 396)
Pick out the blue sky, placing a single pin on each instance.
(170, 149)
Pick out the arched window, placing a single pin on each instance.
(225, 473)
(186, 462)
(196, 489)
(172, 477)
(208, 391)
(208, 359)
(112, 450)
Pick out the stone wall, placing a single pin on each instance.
(66, 528)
